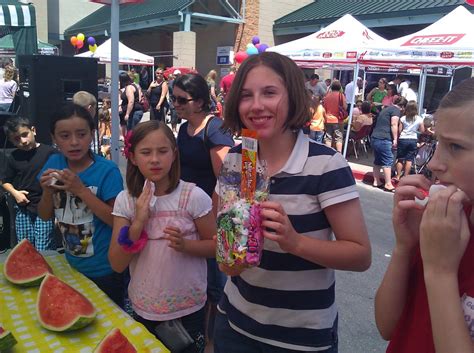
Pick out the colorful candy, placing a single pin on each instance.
(239, 221)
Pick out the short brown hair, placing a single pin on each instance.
(336, 86)
(400, 101)
(293, 79)
(134, 177)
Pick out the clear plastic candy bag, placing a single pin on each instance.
(239, 222)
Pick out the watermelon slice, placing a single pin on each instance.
(115, 342)
(7, 340)
(25, 266)
(62, 308)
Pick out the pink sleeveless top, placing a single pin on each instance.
(166, 284)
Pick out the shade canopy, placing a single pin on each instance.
(127, 56)
(447, 42)
(7, 47)
(19, 20)
(340, 43)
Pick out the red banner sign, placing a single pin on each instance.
(439, 39)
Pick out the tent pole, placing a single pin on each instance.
(349, 122)
(421, 90)
(363, 84)
(452, 79)
(114, 95)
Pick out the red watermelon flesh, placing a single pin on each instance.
(115, 342)
(25, 266)
(62, 308)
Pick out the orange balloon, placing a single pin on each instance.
(73, 41)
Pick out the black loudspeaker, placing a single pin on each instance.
(46, 82)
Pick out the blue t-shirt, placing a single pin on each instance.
(196, 165)
(85, 237)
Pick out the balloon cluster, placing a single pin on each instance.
(252, 48)
(78, 42)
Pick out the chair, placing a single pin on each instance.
(361, 138)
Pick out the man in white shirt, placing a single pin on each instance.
(411, 93)
(402, 84)
(318, 88)
(349, 91)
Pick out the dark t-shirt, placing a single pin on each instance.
(22, 169)
(382, 128)
(196, 165)
(136, 101)
(155, 94)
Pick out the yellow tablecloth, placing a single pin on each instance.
(18, 314)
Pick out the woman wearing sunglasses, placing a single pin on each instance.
(202, 148)
(157, 92)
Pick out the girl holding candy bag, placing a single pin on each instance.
(163, 229)
(425, 302)
(287, 302)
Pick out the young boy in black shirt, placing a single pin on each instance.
(18, 177)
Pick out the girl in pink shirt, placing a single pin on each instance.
(163, 229)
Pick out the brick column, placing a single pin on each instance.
(184, 49)
(247, 30)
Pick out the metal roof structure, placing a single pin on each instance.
(153, 13)
(373, 13)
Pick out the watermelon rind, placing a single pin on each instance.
(115, 342)
(7, 340)
(80, 321)
(31, 281)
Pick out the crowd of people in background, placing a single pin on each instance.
(165, 218)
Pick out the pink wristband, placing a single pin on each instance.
(128, 245)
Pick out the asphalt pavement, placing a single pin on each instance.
(355, 291)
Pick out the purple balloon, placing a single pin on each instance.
(262, 48)
(255, 40)
(91, 41)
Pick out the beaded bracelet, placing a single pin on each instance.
(132, 246)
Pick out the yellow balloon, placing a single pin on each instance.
(81, 36)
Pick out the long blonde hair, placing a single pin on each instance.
(10, 73)
(211, 75)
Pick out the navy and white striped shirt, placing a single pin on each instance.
(288, 301)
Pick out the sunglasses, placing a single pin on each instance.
(180, 100)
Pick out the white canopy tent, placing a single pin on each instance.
(447, 42)
(127, 56)
(338, 45)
